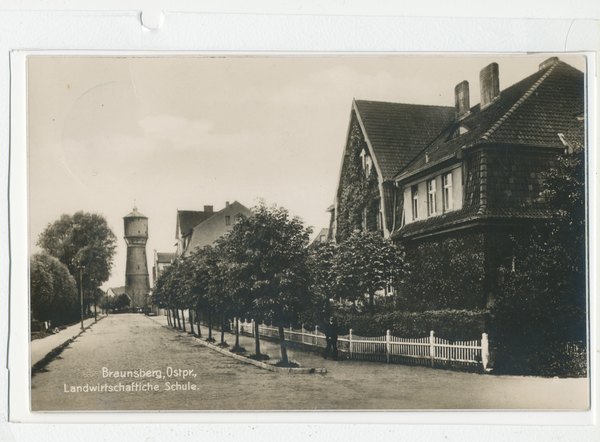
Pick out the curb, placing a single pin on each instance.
(251, 361)
(261, 364)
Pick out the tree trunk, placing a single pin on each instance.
(191, 315)
(198, 324)
(178, 321)
(209, 326)
(256, 339)
(169, 317)
(183, 319)
(237, 332)
(222, 328)
(284, 357)
(95, 310)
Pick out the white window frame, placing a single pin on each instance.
(447, 183)
(414, 194)
(431, 197)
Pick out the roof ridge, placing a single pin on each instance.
(404, 104)
(518, 103)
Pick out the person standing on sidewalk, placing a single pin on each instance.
(331, 336)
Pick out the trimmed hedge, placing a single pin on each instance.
(454, 325)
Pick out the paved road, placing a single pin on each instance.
(217, 382)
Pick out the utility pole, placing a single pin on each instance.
(80, 267)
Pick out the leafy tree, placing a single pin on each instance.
(122, 301)
(218, 294)
(322, 264)
(53, 290)
(367, 263)
(543, 301)
(268, 251)
(106, 302)
(82, 239)
(160, 294)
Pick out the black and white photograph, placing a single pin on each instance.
(309, 233)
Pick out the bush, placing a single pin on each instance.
(453, 325)
(557, 359)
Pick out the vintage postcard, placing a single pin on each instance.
(275, 233)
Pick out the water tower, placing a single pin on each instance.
(137, 283)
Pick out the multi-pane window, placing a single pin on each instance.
(415, 202)
(431, 197)
(447, 181)
(227, 220)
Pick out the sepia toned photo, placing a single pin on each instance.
(241, 233)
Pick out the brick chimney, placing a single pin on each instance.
(461, 100)
(226, 204)
(208, 209)
(549, 62)
(489, 83)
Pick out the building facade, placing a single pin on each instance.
(213, 227)
(454, 184)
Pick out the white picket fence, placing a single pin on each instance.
(429, 350)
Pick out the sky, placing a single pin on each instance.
(178, 133)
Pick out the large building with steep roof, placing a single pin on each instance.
(186, 221)
(450, 181)
(214, 227)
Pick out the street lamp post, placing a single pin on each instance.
(80, 267)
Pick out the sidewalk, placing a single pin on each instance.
(41, 347)
(305, 358)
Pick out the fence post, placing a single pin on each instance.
(350, 343)
(432, 347)
(388, 346)
(485, 350)
(316, 335)
(291, 332)
(252, 325)
(302, 333)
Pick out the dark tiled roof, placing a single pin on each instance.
(165, 257)
(531, 112)
(208, 231)
(399, 131)
(445, 220)
(135, 214)
(118, 290)
(188, 219)
(519, 130)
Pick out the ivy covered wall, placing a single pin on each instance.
(446, 273)
(357, 190)
(459, 270)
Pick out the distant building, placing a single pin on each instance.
(207, 231)
(161, 262)
(322, 237)
(186, 221)
(115, 292)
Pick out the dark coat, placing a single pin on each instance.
(331, 331)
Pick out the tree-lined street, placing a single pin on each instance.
(143, 346)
